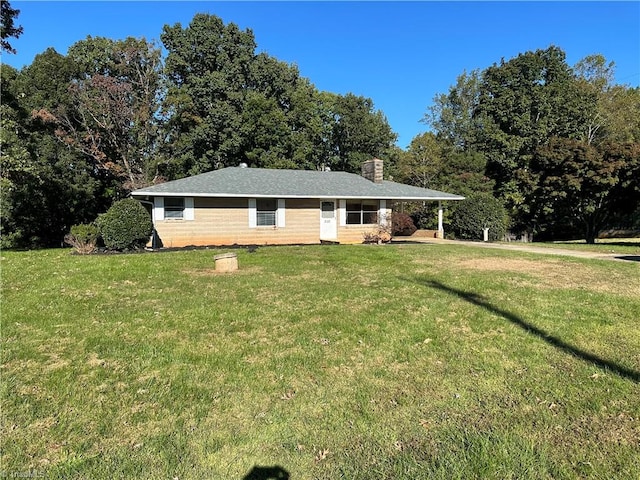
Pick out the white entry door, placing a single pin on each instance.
(328, 221)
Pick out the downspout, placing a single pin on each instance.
(154, 235)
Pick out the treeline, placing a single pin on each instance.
(556, 147)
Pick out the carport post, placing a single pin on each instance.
(440, 227)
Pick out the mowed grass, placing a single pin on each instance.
(623, 246)
(357, 362)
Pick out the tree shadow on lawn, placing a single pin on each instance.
(556, 342)
(630, 258)
(619, 244)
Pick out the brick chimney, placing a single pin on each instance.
(372, 170)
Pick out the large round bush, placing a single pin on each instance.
(126, 225)
(476, 212)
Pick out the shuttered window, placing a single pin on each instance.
(266, 212)
(173, 207)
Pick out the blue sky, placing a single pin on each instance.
(399, 54)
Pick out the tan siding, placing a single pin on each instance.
(225, 221)
(354, 233)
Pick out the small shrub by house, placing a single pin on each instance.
(83, 238)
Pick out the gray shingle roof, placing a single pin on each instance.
(261, 182)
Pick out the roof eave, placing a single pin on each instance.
(257, 195)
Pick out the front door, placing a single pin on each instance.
(328, 222)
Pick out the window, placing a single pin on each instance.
(266, 212)
(362, 212)
(173, 207)
(328, 210)
(266, 209)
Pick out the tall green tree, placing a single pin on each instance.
(280, 123)
(458, 126)
(464, 173)
(622, 109)
(359, 132)
(453, 115)
(208, 68)
(15, 160)
(227, 105)
(523, 103)
(494, 125)
(616, 116)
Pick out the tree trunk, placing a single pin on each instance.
(594, 222)
(591, 231)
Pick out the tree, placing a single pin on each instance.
(281, 126)
(226, 105)
(453, 116)
(616, 116)
(464, 173)
(111, 116)
(493, 123)
(584, 182)
(8, 28)
(358, 131)
(422, 164)
(432, 162)
(622, 110)
(523, 103)
(15, 162)
(47, 187)
(595, 77)
(208, 72)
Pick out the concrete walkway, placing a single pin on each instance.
(524, 247)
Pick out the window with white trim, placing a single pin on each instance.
(266, 212)
(174, 208)
(266, 209)
(361, 212)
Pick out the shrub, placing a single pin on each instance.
(83, 238)
(402, 224)
(382, 234)
(126, 225)
(479, 211)
(379, 236)
(426, 217)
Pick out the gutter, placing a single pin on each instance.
(154, 234)
(344, 197)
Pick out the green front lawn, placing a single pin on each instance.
(622, 246)
(357, 362)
